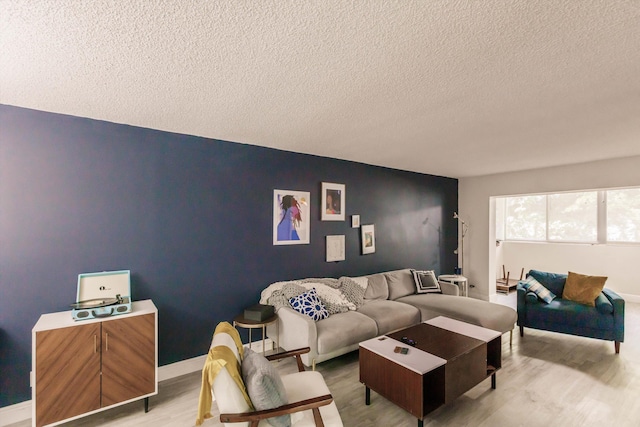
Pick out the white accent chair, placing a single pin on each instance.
(310, 401)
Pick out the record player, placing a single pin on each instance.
(102, 295)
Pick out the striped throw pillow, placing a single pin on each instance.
(532, 285)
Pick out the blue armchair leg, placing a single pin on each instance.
(617, 345)
(521, 331)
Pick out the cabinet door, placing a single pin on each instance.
(67, 372)
(128, 358)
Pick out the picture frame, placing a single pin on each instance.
(355, 221)
(332, 201)
(291, 217)
(335, 248)
(368, 235)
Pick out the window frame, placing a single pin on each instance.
(601, 220)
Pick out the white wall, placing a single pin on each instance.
(616, 262)
(478, 209)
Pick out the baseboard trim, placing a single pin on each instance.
(22, 411)
(15, 413)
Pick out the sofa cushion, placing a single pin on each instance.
(583, 289)
(552, 281)
(344, 329)
(264, 386)
(390, 315)
(400, 283)
(378, 288)
(477, 312)
(426, 282)
(577, 318)
(309, 303)
(530, 284)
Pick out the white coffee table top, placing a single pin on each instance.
(463, 328)
(416, 360)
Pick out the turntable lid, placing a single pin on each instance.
(106, 284)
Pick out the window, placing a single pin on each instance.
(623, 215)
(525, 218)
(571, 217)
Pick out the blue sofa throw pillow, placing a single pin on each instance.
(530, 284)
(552, 281)
(309, 303)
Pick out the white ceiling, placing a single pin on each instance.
(447, 87)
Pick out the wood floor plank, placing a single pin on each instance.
(547, 379)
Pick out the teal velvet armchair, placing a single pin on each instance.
(604, 321)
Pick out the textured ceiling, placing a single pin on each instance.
(453, 88)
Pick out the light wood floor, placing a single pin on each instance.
(547, 379)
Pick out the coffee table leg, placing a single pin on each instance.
(493, 381)
(367, 395)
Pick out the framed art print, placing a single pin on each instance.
(335, 248)
(291, 217)
(333, 201)
(368, 239)
(355, 221)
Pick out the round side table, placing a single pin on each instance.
(458, 280)
(241, 321)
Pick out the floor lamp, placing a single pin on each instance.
(464, 230)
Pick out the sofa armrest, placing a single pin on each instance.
(618, 313)
(296, 330)
(449, 288)
(521, 304)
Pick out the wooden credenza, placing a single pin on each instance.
(83, 367)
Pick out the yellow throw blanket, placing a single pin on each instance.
(220, 357)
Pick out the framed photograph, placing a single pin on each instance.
(291, 217)
(332, 201)
(368, 239)
(355, 221)
(335, 248)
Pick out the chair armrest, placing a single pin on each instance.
(291, 353)
(303, 405)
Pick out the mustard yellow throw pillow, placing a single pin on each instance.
(583, 289)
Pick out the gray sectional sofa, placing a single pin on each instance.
(390, 303)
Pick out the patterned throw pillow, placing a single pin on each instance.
(309, 303)
(426, 282)
(532, 285)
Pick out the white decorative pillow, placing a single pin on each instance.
(309, 303)
(426, 282)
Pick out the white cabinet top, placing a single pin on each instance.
(64, 319)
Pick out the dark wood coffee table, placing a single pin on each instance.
(449, 358)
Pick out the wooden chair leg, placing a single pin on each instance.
(510, 337)
(317, 417)
(617, 346)
(521, 331)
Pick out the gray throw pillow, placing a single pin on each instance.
(264, 386)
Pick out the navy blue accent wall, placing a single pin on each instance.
(190, 217)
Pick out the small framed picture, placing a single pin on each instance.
(355, 221)
(368, 234)
(333, 201)
(335, 248)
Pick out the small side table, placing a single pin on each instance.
(457, 280)
(249, 324)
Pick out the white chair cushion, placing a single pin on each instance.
(305, 385)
